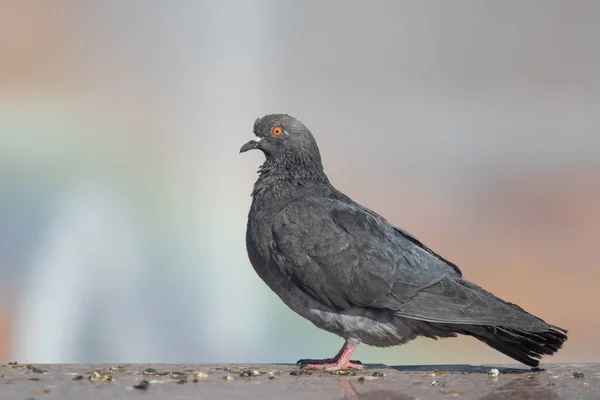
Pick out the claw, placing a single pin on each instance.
(339, 363)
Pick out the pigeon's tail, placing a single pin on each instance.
(522, 345)
(459, 306)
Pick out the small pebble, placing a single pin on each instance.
(199, 375)
(35, 369)
(100, 376)
(434, 373)
(78, 378)
(143, 385)
(378, 374)
(228, 378)
(493, 372)
(118, 368)
(300, 372)
(367, 378)
(152, 371)
(578, 374)
(345, 373)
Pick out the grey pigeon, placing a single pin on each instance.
(350, 272)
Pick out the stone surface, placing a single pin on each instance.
(271, 381)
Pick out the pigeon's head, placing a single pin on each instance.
(282, 136)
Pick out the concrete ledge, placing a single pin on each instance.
(276, 381)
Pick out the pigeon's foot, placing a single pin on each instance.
(335, 366)
(340, 362)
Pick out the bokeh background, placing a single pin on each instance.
(123, 199)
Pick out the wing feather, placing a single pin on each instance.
(347, 256)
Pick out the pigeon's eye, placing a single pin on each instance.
(277, 131)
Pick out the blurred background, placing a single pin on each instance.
(473, 125)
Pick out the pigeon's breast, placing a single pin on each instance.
(259, 244)
(375, 327)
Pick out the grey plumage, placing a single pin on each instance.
(349, 271)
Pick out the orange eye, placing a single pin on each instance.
(277, 131)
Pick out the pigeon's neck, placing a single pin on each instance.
(285, 175)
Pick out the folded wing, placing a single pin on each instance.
(346, 256)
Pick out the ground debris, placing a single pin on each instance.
(274, 372)
(295, 372)
(493, 372)
(78, 377)
(35, 369)
(152, 371)
(197, 375)
(378, 374)
(343, 372)
(118, 368)
(228, 377)
(178, 375)
(363, 379)
(455, 393)
(578, 374)
(434, 373)
(438, 383)
(143, 385)
(99, 376)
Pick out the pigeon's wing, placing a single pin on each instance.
(418, 243)
(462, 302)
(346, 256)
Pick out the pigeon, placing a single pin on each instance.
(349, 271)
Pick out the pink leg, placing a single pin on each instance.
(340, 362)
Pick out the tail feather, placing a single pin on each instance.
(519, 344)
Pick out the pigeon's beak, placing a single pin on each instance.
(251, 145)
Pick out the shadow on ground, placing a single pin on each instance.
(450, 368)
(456, 368)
